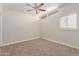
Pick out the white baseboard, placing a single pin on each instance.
(37, 38)
(60, 43)
(5, 44)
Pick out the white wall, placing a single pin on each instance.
(50, 27)
(18, 27)
(22, 27)
(0, 24)
(0, 29)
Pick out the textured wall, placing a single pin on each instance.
(51, 31)
(19, 27)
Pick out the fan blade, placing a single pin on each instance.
(42, 10)
(30, 9)
(49, 14)
(29, 5)
(40, 5)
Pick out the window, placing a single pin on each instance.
(68, 22)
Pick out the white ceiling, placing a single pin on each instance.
(22, 7)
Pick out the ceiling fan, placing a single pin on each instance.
(37, 7)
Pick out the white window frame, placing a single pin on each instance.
(69, 22)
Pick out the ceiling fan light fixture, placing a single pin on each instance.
(36, 7)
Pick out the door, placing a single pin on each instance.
(0, 30)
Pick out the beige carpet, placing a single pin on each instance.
(38, 47)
